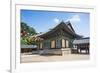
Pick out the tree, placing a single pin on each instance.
(24, 41)
(35, 39)
(26, 32)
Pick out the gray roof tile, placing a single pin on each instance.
(81, 41)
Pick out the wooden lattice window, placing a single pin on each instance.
(63, 43)
(41, 45)
(53, 45)
(67, 44)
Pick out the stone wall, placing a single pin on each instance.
(56, 51)
(66, 51)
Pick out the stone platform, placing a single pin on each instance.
(62, 51)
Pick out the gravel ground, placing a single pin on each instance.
(27, 58)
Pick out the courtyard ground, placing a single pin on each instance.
(27, 58)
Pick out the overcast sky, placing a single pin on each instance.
(42, 21)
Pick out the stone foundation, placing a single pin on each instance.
(56, 51)
(66, 51)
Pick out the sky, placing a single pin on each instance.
(43, 21)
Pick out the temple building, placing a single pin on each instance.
(81, 44)
(28, 48)
(58, 40)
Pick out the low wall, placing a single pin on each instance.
(66, 51)
(56, 51)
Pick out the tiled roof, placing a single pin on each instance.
(65, 25)
(81, 41)
(28, 46)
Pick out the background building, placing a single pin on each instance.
(81, 44)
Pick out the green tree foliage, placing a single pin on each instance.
(26, 32)
(23, 41)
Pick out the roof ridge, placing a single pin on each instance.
(63, 24)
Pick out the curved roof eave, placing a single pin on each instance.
(60, 25)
